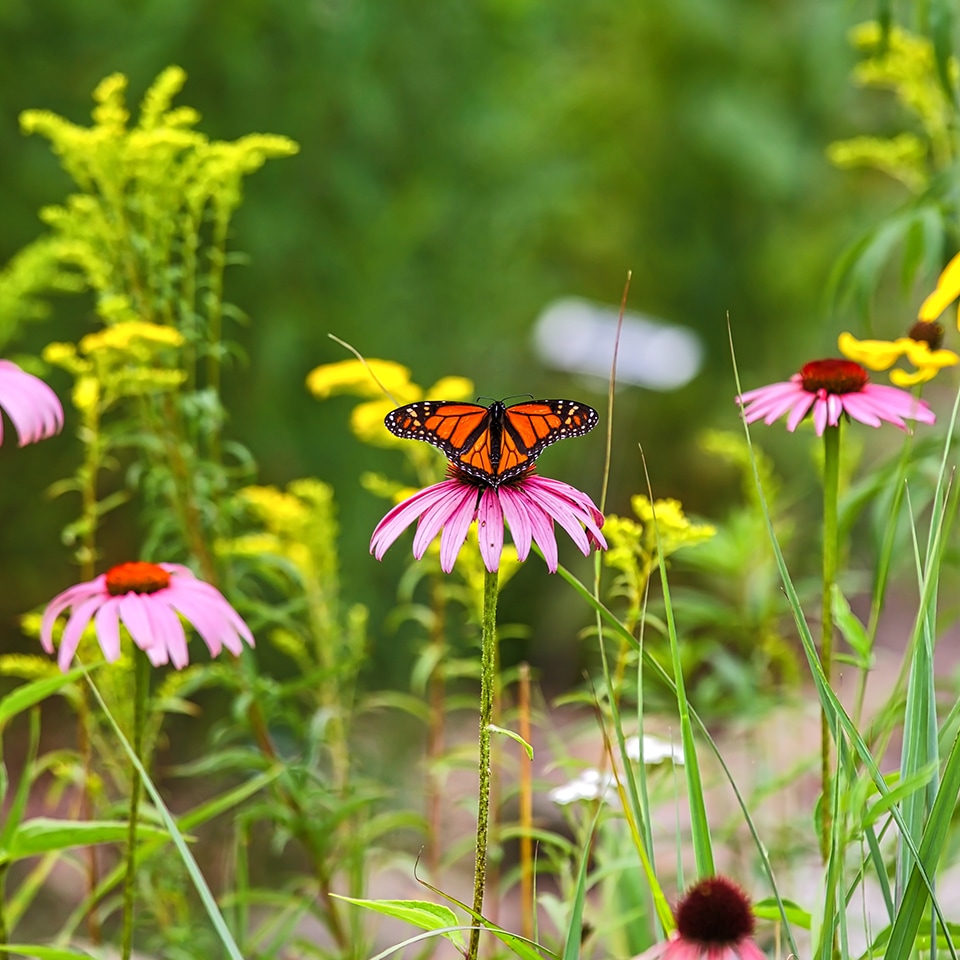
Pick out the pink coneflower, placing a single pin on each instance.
(714, 922)
(149, 599)
(31, 405)
(530, 505)
(830, 388)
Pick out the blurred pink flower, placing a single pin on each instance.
(714, 922)
(830, 388)
(31, 405)
(146, 598)
(529, 504)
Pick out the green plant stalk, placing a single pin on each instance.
(831, 487)
(4, 934)
(488, 660)
(141, 691)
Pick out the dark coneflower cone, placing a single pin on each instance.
(835, 376)
(715, 912)
(136, 577)
(929, 332)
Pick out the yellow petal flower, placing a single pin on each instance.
(366, 422)
(918, 352)
(948, 289)
(901, 378)
(452, 388)
(360, 379)
(873, 354)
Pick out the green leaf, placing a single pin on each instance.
(29, 694)
(19, 804)
(45, 835)
(419, 913)
(493, 728)
(851, 628)
(768, 909)
(571, 949)
(39, 952)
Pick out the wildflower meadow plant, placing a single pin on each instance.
(296, 756)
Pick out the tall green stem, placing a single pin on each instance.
(141, 691)
(488, 661)
(831, 487)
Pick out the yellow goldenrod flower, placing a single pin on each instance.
(948, 290)
(921, 348)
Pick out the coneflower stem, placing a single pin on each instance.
(141, 691)
(831, 488)
(488, 660)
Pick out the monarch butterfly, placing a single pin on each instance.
(494, 443)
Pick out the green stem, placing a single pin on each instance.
(141, 691)
(488, 660)
(4, 935)
(831, 486)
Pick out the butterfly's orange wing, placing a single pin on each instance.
(448, 424)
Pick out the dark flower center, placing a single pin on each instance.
(136, 577)
(929, 332)
(715, 911)
(834, 376)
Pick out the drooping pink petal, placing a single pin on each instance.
(541, 527)
(167, 625)
(32, 406)
(107, 622)
(800, 409)
(894, 402)
(202, 595)
(819, 415)
(518, 517)
(73, 631)
(860, 408)
(435, 517)
(68, 598)
(140, 627)
(455, 532)
(490, 529)
(403, 514)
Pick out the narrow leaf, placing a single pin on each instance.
(420, 913)
(493, 728)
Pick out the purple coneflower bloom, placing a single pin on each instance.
(530, 505)
(830, 388)
(149, 599)
(31, 405)
(714, 922)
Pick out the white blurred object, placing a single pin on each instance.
(655, 750)
(577, 335)
(590, 784)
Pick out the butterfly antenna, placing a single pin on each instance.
(517, 396)
(367, 367)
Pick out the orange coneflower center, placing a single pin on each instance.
(715, 911)
(929, 332)
(834, 376)
(136, 577)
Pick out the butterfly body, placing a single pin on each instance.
(494, 443)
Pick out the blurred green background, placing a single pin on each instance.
(462, 165)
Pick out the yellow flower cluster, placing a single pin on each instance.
(298, 525)
(137, 225)
(906, 65)
(129, 359)
(388, 384)
(632, 544)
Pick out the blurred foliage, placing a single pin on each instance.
(461, 166)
